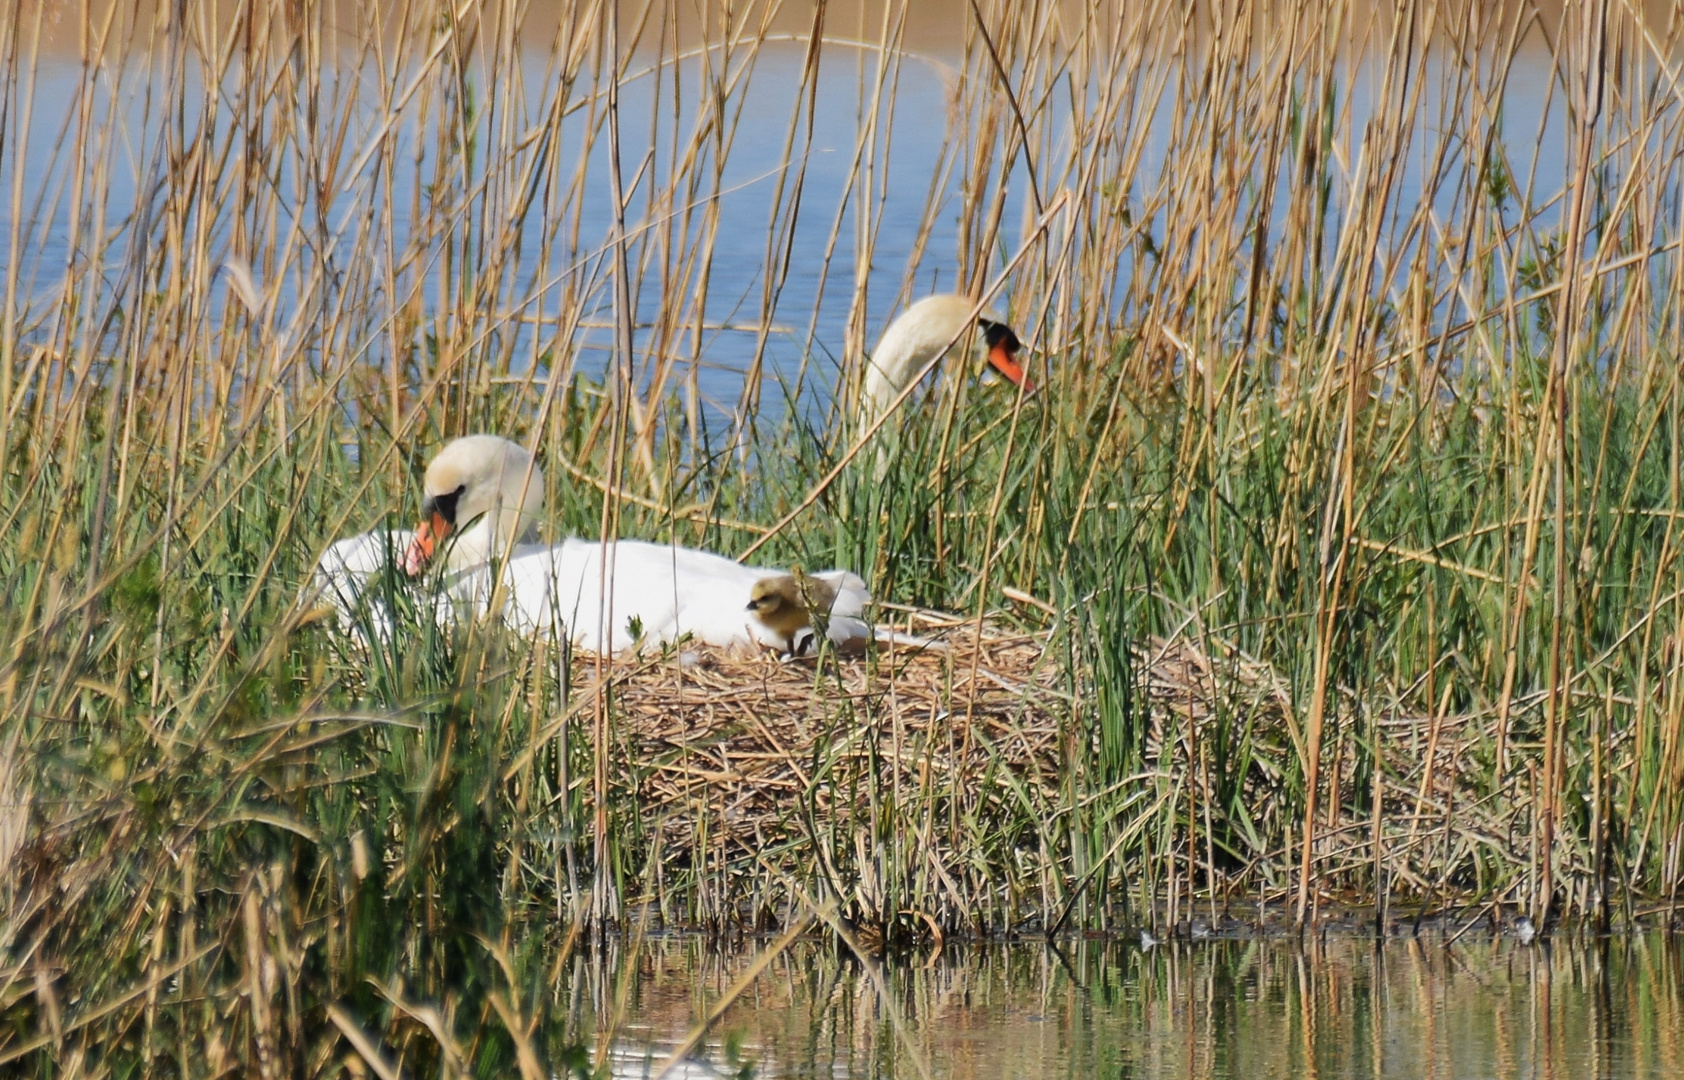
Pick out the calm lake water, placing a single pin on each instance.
(1485, 1007)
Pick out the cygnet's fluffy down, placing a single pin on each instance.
(786, 604)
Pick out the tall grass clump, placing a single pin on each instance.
(1339, 545)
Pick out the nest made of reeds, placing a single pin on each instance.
(735, 736)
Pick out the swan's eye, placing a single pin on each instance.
(443, 505)
(999, 335)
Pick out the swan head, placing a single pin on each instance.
(1003, 347)
(484, 491)
(923, 331)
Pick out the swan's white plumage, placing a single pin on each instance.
(663, 591)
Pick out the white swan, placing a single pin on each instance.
(921, 333)
(483, 494)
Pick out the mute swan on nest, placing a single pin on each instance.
(484, 494)
(924, 331)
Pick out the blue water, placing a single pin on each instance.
(800, 339)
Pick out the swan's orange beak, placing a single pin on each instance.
(1004, 361)
(438, 521)
(428, 536)
(1002, 353)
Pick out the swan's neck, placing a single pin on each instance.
(921, 334)
(488, 536)
(886, 375)
(476, 546)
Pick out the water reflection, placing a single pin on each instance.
(1216, 1009)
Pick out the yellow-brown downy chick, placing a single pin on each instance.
(786, 603)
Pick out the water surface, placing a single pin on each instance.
(874, 234)
(1346, 1007)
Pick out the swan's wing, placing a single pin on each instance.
(353, 559)
(851, 594)
(707, 595)
(657, 593)
(850, 635)
(696, 565)
(341, 579)
(555, 590)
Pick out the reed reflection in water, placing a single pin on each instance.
(1218, 1009)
